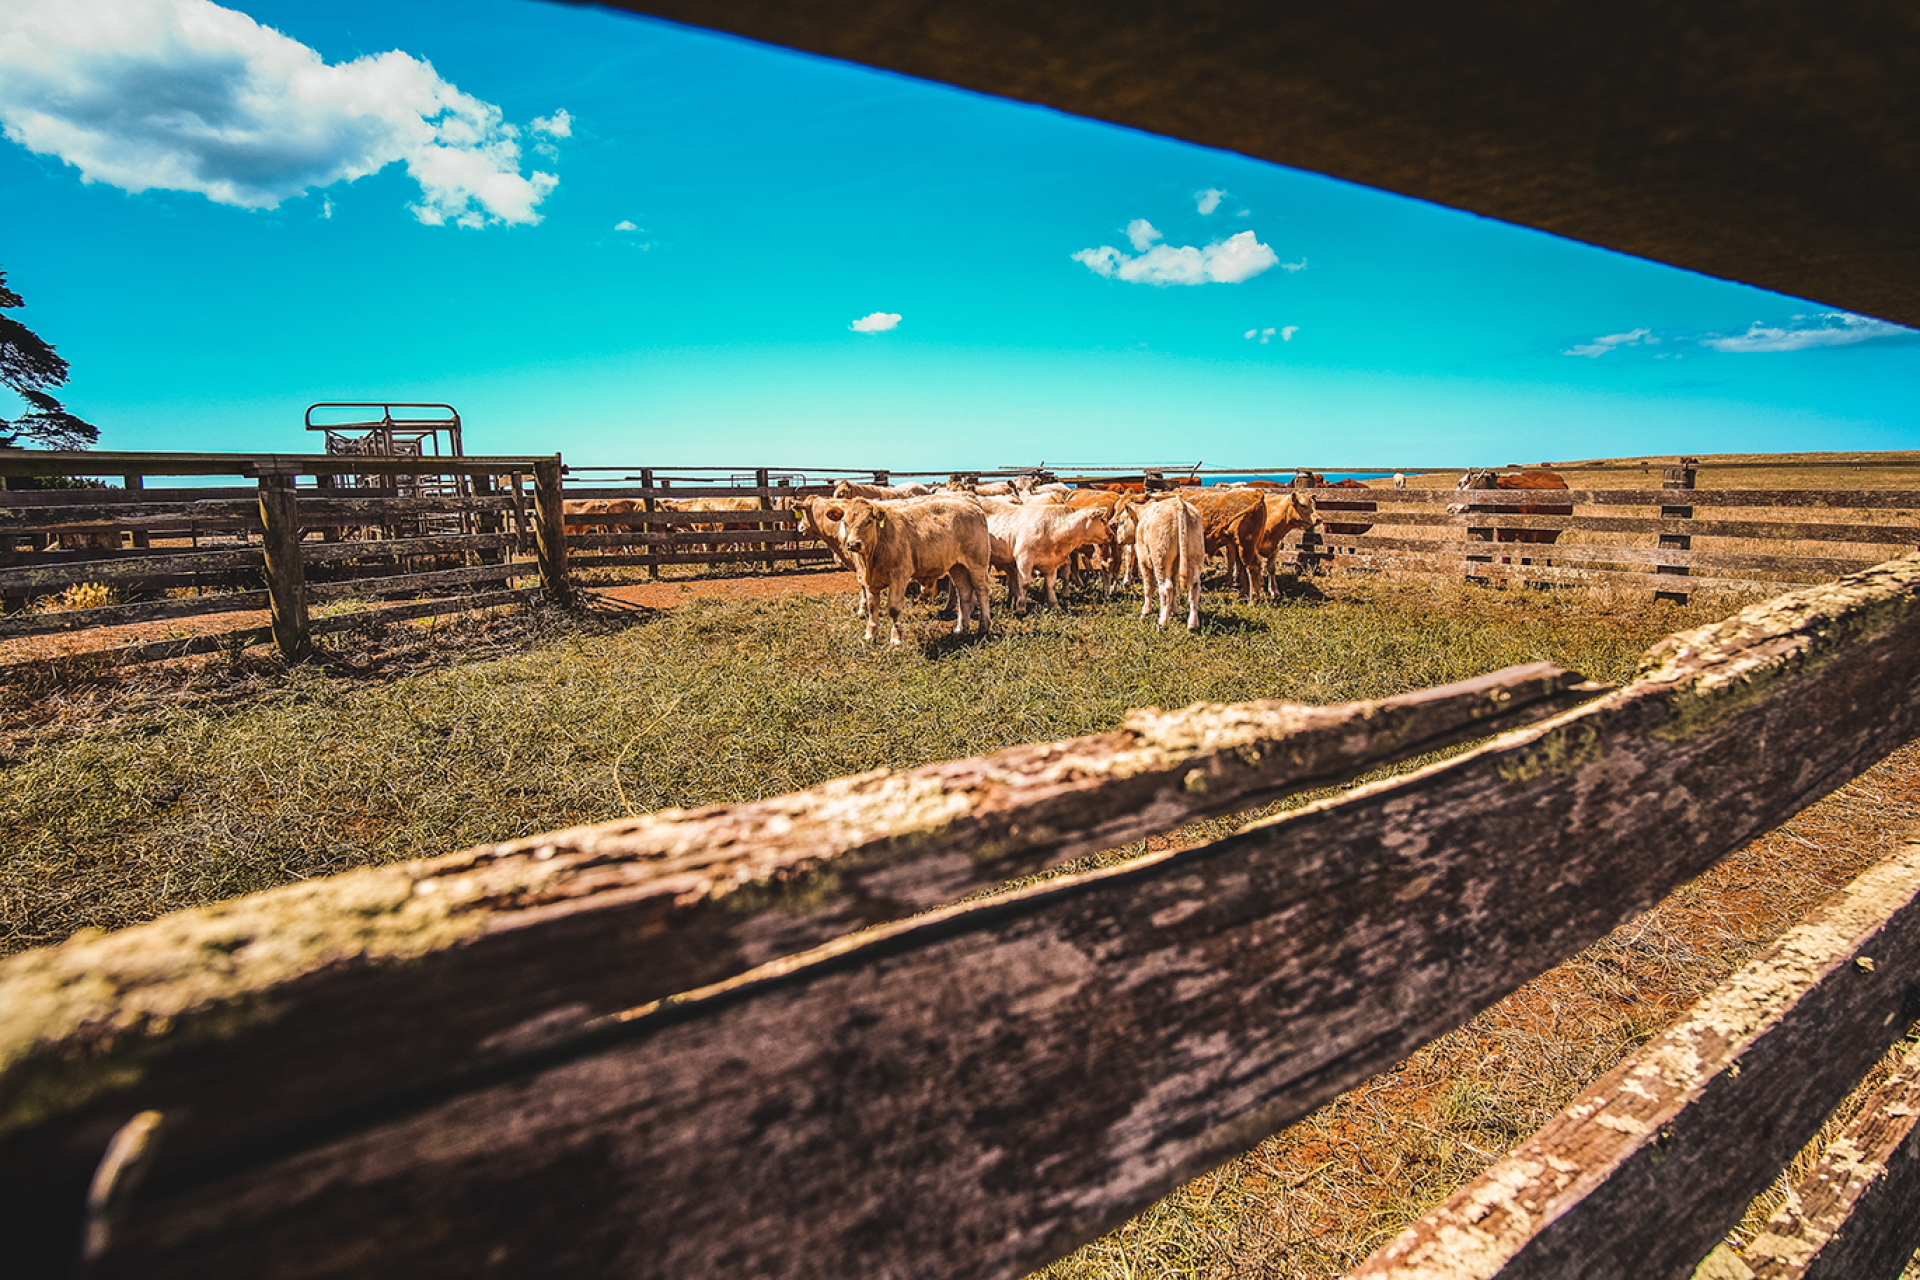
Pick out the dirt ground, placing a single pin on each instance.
(639, 595)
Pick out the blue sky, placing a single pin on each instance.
(671, 235)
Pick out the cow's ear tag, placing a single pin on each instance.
(883, 522)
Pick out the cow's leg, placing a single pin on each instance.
(896, 601)
(982, 584)
(960, 596)
(1050, 573)
(1193, 602)
(1022, 574)
(1146, 586)
(1168, 587)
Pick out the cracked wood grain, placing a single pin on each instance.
(1649, 1168)
(1850, 1217)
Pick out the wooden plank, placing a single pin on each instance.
(110, 462)
(130, 567)
(314, 509)
(915, 1101)
(1618, 577)
(807, 554)
(1648, 1170)
(357, 588)
(419, 609)
(286, 571)
(742, 537)
(1850, 1217)
(51, 518)
(1777, 530)
(388, 548)
(873, 848)
(39, 624)
(156, 650)
(27, 500)
(680, 519)
(1832, 499)
(698, 491)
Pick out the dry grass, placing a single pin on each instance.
(132, 794)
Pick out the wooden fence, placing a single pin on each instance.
(750, 1039)
(272, 545)
(645, 532)
(1671, 540)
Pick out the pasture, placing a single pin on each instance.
(138, 804)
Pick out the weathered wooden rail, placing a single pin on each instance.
(274, 546)
(723, 1041)
(1687, 539)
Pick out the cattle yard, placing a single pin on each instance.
(426, 537)
(1231, 852)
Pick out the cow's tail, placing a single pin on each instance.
(1189, 532)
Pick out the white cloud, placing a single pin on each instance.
(184, 95)
(1228, 261)
(326, 207)
(878, 322)
(1286, 334)
(1600, 346)
(1140, 233)
(626, 224)
(1827, 329)
(557, 125)
(1265, 336)
(1207, 201)
(1291, 267)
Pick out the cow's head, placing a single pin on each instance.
(1480, 478)
(861, 523)
(1307, 509)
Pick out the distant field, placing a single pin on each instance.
(1728, 471)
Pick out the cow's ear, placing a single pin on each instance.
(835, 514)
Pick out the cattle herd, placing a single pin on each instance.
(962, 532)
(893, 535)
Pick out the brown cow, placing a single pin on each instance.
(892, 546)
(1261, 540)
(1223, 509)
(1540, 478)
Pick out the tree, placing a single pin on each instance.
(31, 368)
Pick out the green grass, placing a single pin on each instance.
(147, 806)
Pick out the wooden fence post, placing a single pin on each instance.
(141, 539)
(1680, 477)
(550, 531)
(286, 570)
(489, 521)
(766, 504)
(653, 548)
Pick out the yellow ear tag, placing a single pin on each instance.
(883, 522)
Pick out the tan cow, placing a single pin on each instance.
(1043, 536)
(719, 540)
(876, 492)
(892, 546)
(1262, 537)
(1170, 543)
